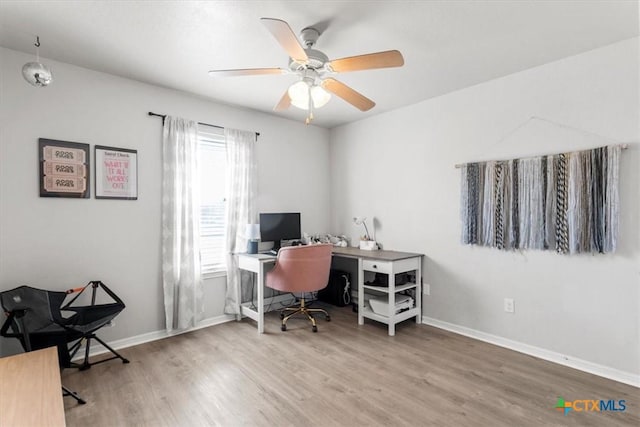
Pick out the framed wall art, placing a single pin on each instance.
(116, 173)
(64, 168)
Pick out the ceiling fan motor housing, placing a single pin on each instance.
(309, 36)
(317, 60)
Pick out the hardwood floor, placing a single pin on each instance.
(228, 375)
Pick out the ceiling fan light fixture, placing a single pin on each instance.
(36, 73)
(299, 93)
(320, 96)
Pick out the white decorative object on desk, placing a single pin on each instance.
(366, 242)
(368, 245)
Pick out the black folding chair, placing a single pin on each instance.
(38, 318)
(88, 319)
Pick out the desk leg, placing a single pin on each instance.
(392, 303)
(419, 291)
(360, 293)
(260, 286)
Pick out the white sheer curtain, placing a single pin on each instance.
(241, 193)
(181, 280)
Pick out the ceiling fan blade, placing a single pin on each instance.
(285, 102)
(246, 72)
(387, 59)
(287, 39)
(354, 98)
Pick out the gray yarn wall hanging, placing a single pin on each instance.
(565, 202)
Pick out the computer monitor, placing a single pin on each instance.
(275, 227)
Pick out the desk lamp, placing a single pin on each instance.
(252, 234)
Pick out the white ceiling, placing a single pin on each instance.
(447, 45)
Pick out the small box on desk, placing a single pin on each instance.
(368, 245)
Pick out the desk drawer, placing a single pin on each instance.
(377, 266)
(248, 263)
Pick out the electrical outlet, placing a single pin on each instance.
(426, 289)
(509, 305)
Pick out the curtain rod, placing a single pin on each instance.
(200, 123)
(459, 165)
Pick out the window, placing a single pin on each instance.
(213, 222)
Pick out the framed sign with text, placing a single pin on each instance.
(64, 168)
(116, 173)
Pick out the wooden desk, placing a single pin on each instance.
(30, 389)
(389, 262)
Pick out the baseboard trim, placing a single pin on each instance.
(541, 353)
(97, 348)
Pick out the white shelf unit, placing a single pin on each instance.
(385, 289)
(390, 267)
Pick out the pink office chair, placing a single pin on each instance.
(301, 269)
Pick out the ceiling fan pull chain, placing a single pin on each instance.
(310, 117)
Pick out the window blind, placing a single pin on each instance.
(212, 157)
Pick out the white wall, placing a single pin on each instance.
(399, 167)
(61, 243)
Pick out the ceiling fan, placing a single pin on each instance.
(315, 70)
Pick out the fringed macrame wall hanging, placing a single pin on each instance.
(565, 202)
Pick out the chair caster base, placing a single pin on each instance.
(314, 328)
(283, 328)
